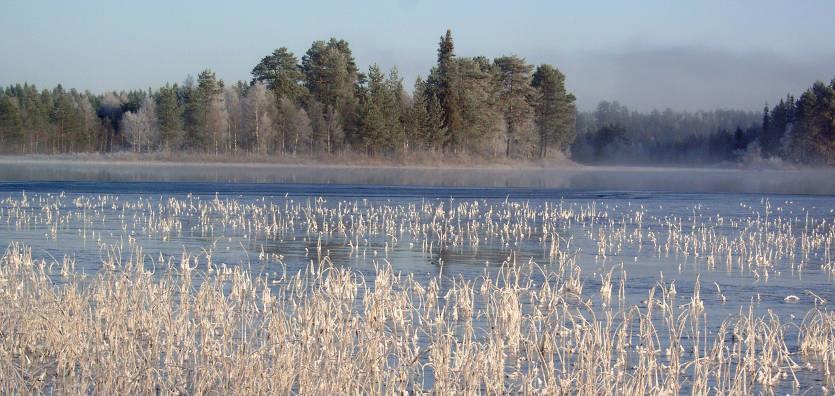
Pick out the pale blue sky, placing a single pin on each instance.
(648, 54)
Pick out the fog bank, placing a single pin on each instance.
(29, 174)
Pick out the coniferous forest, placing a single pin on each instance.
(465, 106)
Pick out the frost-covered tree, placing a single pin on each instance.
(235, 112)
(295, 125)
(217, 125)
(140, 127)
(259, 118)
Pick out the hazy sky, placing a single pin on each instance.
(648, 54)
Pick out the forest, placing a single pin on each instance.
(477, 107)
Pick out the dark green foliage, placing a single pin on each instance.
(607, 136)
(425, 126)
(478, 107)
(332, 77)
(812, 135)
(322, 104)
(444, 85)
(555, 111)
(11, 122)
(466, 105)
(281, 72)
(69, 131)
(373, 127)
(382, 129)
(200, 100)
(169, 117)
(515, 97)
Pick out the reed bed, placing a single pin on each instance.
(148, 322)
(325, 330)
(754, 244)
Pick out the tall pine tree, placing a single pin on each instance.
(515, 95)
(554, 109)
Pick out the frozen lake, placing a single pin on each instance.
(751, 238)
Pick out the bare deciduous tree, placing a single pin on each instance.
(140, 127)
(259, 108)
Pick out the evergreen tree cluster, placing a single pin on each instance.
(59, 121)
(321, 103)
(613, 134)
(798, 130)
(803, 129)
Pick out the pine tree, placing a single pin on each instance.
(554, 110)
(477, 94)
(282, 74)
(332, 78)
(515, 95)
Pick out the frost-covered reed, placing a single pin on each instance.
(147, 322)
(326, 330)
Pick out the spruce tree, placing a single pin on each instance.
(169, 118)
(11, 122)
(372, 133)
(394, 109)
(446, 89)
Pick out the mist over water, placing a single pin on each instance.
(745, 239)
(194, 177)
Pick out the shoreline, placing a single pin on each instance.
(125, 168)
(361, 162)
(252, 161)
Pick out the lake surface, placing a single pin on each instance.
(580, 178)
(740, 233)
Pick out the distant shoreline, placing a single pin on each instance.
(435, 161)
(19, 172)
(415, 161)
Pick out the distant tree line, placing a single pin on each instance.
(802, 130)
(795, 130)
(320, 104)
(614, 134)
(475, 106)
